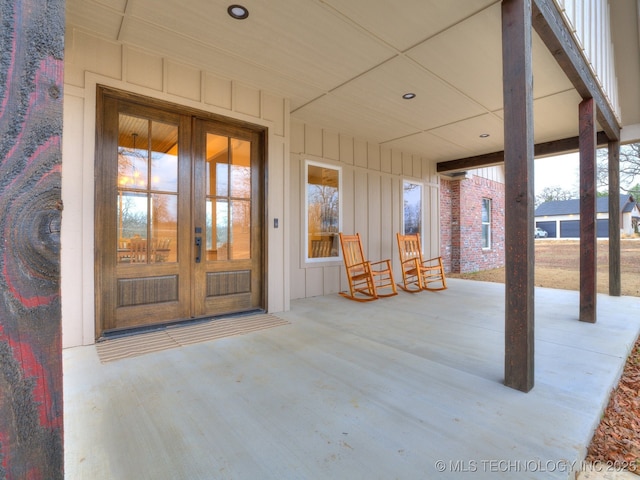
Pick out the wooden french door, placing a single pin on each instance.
(179, 214)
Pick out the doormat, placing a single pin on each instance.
(178, 336)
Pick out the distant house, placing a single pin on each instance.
(561, 219)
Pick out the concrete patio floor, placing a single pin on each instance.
(409, 387)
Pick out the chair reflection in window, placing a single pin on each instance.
(138, 247)
(134, 250)
(124, 250)
(162, 249)
(323, 246)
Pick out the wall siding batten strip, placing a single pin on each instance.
(588, 237)
(518, 141)
(615, 280)
(31, 71)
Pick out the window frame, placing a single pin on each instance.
(486, 243)
(421, 203)
(305, 233)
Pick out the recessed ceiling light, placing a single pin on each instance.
(484, 135)
(238, 12)
(409, 96)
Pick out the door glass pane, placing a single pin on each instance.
(222, 230)
(164, 157)
(164, 228)
(209, 222)
(216, 230)
(133, 142)
(222, 179)
(132, 212)
(132, 227)
(217, 165)
(240, 229)
(240, 169)
(147, 191)
(228, 190)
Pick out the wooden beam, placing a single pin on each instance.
(615, 281)
(550, 26)
(546, 149)
(588, 230)
(31, 76)
(566, 145)
(518, 148)
(469, 163)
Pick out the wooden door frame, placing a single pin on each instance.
(103, 270)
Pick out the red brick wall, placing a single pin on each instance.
(461, 224)
(449, 196)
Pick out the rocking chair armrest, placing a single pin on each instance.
(434, 259)
(387, 261)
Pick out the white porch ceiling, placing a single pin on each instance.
(344, 64)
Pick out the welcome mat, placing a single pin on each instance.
(178, 336)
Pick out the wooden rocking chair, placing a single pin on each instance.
(365, 278)
(419, 274)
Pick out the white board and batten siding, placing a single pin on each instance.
(495, 173)
(371, 202)
(590, 23)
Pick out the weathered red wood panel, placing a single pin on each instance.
(31, 50)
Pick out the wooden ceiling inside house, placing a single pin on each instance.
(345, 64)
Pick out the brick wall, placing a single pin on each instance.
(461, 224)
(449, 236)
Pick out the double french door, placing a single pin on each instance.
(179, 214)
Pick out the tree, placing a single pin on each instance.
(629, 168)
(635, 191)
(552, 194)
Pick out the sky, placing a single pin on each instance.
(560, 171)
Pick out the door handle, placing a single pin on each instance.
(198, 249)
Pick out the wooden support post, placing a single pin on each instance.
(615, 283)
(518, 155)
(588, 230)
(31, 69)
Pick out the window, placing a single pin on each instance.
(323, 211)
(147, 202)
(412, 201)
(486, 223)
